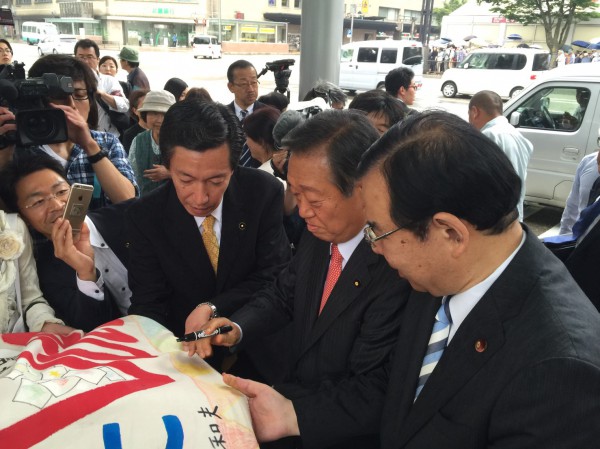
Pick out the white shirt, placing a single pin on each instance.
(586, 174)
(462, 303)
(113, 273)
(218, 214)
(346, 249)
(238, 111)
(110, 85)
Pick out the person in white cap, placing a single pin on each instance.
(144, 154)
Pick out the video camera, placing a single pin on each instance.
(281, 72)
(37, 123)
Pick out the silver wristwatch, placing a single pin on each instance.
(214, 313)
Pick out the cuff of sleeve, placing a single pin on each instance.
(241, 332)
(92, 289)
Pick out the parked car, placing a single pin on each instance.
(505, 71)
(62, 43)
(559, 114)
(364, 65)
(206, 46)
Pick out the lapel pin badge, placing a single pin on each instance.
(357, 283)
(480, 345)
(242, 226)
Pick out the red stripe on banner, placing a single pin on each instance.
(50, 420)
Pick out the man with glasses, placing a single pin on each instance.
(343, 301)
(83, 277)
(400, 84)
(109, 93)
(243, 83)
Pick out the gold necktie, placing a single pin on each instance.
(210, 241)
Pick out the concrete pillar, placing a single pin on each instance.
(322, 32)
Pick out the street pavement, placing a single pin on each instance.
(160, 64)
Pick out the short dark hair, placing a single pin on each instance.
(344, 135)
(259, 125)
(87, 43)
(134, 98)
(199, 126)
(198, 93)
(239, 64)
(103, 59)
(488, 101)
(24, 163)
(379, 102)
(5, 42)
(275, 99)
(77, 70)
(436, 162)
(397, 78)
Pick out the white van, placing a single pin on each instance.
(33, 32)
(560, 115)
(505, 71)
(206, 46)
(364, 65)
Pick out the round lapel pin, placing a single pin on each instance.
(480, 345)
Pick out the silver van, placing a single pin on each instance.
(505, 71)
(559, 115)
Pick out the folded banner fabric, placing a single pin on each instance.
(127, 384)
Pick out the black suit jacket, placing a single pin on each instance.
(58, 280)
(332, 354)
(170, 272)
(257, 105)
(536, 384)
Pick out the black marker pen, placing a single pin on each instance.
(200, 334)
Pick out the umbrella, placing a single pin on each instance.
(447, 39)
(469, 37)
(514, 37)
(582, 44)
(594, 46)
(478, 42)
(523, 45)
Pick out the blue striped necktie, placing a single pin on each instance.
(437, 343)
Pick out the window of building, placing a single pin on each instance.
(272, 2)
(297, 3)
(390, 14)
(23, 2)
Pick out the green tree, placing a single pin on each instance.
(449, 6)
(557, 16)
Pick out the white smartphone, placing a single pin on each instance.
(77, 205)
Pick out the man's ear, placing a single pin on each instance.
(453, 230)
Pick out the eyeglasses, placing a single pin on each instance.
(371, 237)
(86, 57)
(414, 86)
(253, 84)
(77, 95)
(6, 51)
(40, 204)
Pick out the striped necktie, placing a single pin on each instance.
(437, 343)
(210, 241)
(333, 274)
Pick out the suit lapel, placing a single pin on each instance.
(354, 279)
(183, 234)
(234, 226)
(461, 359)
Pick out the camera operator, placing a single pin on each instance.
(6, 52)
(89, 157)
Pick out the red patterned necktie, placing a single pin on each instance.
(335, 269)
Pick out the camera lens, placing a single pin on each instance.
(41, 126)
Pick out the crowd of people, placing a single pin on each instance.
(371, 261)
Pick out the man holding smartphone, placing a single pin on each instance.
(83, 276)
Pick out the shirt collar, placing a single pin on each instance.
(346, 249)
(494, 121)
(96, 239)
(462, 303)
(217, 213)
(238, 109)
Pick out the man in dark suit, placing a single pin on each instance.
(84, 279)
(211, 236)
(341, 332)
(517, 362)
(400, 84)
(511, 357)
(243, 83)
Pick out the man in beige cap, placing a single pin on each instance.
(130, 62)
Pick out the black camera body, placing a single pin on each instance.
(37, 123)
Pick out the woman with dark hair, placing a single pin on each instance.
(259, 135)
(6, 52)
(108, 66)
(136, 98)
(88, 156)
(199, 93)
